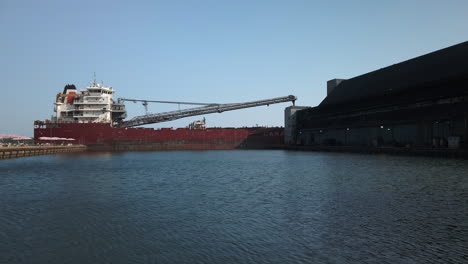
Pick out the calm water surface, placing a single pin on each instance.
(233, 207)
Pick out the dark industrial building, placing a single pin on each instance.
(420, 103)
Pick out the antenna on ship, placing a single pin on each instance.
(94, 83)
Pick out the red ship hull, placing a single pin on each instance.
(102, 136)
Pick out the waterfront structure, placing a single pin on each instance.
(290, 123)
(10, 139)
(95, 119)
(418, 103)
(26, 151)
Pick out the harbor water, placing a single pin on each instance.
(233, 207)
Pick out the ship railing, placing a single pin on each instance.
(90, 102)
(89, 108)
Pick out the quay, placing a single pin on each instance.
(428, 152)
(26, 151)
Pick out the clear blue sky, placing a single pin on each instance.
(207, 51)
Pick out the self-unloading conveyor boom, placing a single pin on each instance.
(206, 109)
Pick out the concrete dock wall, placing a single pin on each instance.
(26, 151)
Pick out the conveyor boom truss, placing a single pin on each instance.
(203, 110)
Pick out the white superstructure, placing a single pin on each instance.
(95, 104)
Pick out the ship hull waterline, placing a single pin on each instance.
(102, 136)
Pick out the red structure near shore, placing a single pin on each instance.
(93, 118)
(102, 136)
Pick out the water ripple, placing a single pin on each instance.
(233, 207)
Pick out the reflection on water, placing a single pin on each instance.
(86, 155)
(233, 207)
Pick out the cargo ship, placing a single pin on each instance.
(94, 118)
